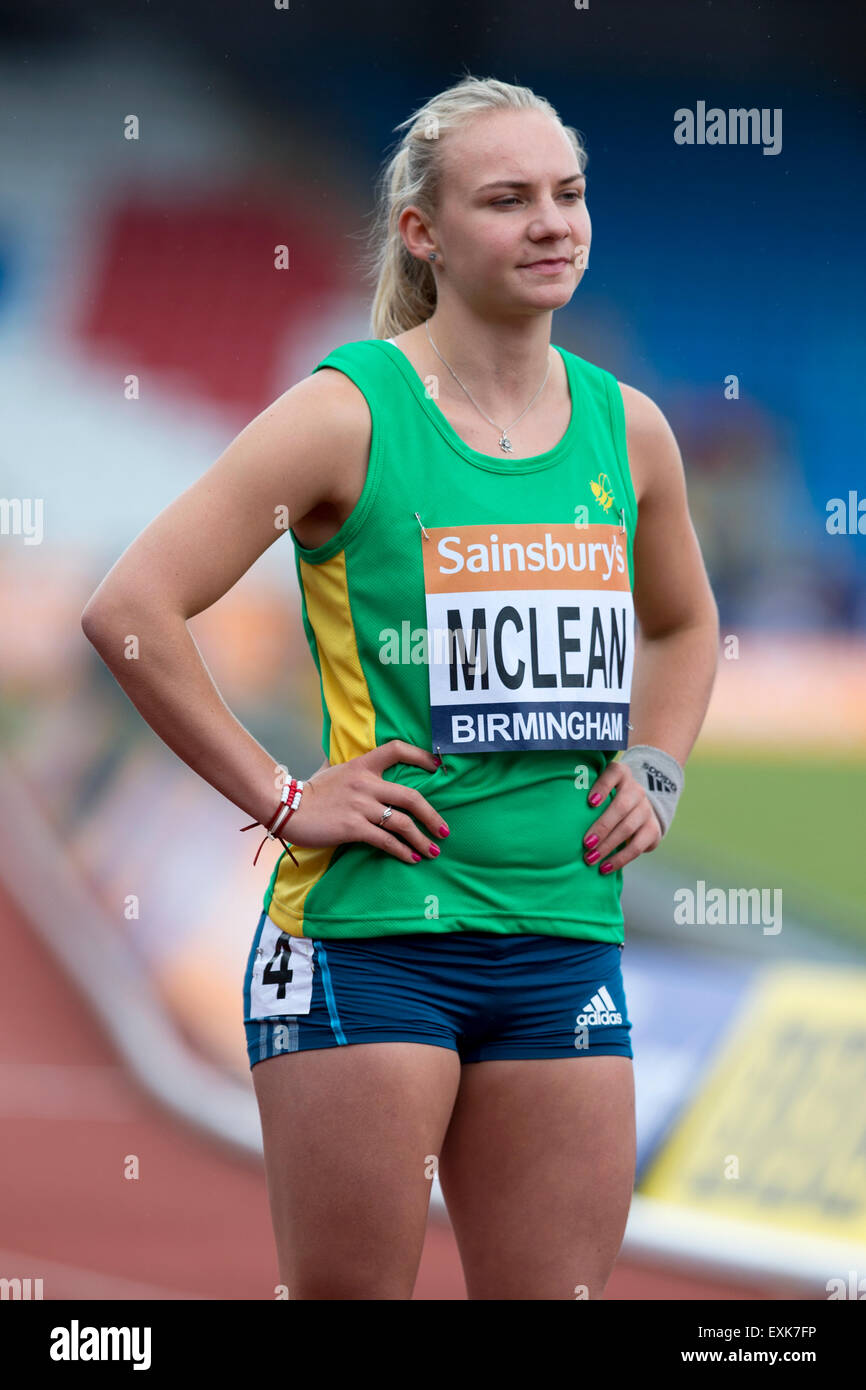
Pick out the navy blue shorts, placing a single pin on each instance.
(479, 994)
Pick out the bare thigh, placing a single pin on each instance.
(537, 1171)
(350, 1137)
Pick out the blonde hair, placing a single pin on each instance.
(405, 287)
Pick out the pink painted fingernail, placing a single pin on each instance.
(434, 849)
(595, 798)
(590, 840)
(415, 856)
(443, 830)
(606, 869)
(591, 858)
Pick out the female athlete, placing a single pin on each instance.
(434, 982)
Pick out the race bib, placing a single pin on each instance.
(530, 636)
(282, 974)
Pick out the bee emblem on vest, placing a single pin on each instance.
(601, 491)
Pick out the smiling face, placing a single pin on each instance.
(512, 214)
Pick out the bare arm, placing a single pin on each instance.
(275, 471)
(677, 644)
(282, 465)
(677, 647)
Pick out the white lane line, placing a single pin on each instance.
(140, 1025)
(73, 1091)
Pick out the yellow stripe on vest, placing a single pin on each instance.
(353, 721)
(353, 718)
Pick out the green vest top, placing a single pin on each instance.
(480, 606)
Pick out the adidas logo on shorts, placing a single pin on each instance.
(600, 1009)
(658, 780)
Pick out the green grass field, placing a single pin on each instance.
(767, 822)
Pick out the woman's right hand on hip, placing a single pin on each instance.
(346, 802)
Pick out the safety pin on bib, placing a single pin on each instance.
(421, 524)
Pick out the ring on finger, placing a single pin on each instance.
(389, 810)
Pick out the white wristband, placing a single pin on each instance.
(661, 777)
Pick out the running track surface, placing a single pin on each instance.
(196, 1224)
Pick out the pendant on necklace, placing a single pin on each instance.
(505, 443)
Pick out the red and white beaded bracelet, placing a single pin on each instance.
(290, 800)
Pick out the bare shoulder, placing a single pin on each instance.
(331, 406)
(331, 384)
(653, 453)
(297, 459)
(325, 422)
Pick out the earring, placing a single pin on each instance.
(432, 256)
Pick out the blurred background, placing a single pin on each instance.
(142, 325)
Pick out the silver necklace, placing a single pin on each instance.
(504, 442)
